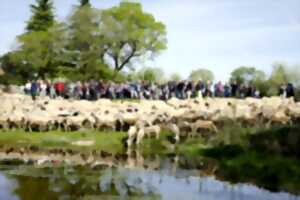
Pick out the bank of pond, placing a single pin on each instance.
(239, 159)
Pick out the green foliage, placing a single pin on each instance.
(175, 77)
(150, 74)
(266, 170)
(251, 75)
(42, 18)
(282, 74)
(92, 43)
(13, 74)
(85, 3)
(279, 75)
(202, 74)
(268, 161)
(84, 49)
(39, 53)
(282, 140)
(128, 32)
(247, 75)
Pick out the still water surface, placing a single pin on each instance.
(24, 182)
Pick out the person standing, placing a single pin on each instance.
(34, 90)
(282, 91)
(43, 88)
(227, 90)
(27, 88)
(290, 90)
(234, 89)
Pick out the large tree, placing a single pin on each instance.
(39, 53)
(85, 3)
(128, 32)
(175, 77)
(247, 74)
(92, 43)
(42, 16)
(152, 74)
(202, 74)
(85, 50)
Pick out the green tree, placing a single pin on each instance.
(202, 74)
(39, 53)
(247, 74)
(152, 74)
(128, 32)
(175, 77)
(85, 3)
(280, 75)
(84, 50)
(42, 16)
(1, 71)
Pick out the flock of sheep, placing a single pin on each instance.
(144, 117)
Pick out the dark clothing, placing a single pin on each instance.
(234, 89)
(226, 91)
(34, 90)
(290, 92)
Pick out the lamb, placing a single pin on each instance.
(132, 132)
(155, 129)
(140, 136)
(202, 124)
(73, 122)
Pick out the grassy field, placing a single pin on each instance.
(108, 141)
(112, 142)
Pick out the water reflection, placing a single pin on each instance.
(26, 182)
(7, 186)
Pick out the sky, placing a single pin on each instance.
(219, 35)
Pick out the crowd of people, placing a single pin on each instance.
(93, 90)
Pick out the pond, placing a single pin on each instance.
(51, 182)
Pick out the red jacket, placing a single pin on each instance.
(59, 86)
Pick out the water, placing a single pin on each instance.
(26, 182)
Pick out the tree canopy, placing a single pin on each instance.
(150, 74)
(247, 74)
(91, 43)
(175, 77)
(128, 32)
(85, 3)
(42, 16)
(202, 74)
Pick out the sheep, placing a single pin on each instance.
(140, 136)
(73, 123)
(155, 129)
(4, 121)
(279, 117)
(202, 124)
(132, 132)
(104, 120)
(39, 122)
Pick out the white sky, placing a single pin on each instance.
(216, 34)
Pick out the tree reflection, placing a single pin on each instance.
(77, 182)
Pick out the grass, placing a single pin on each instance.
(108, 141)
(111, 142)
